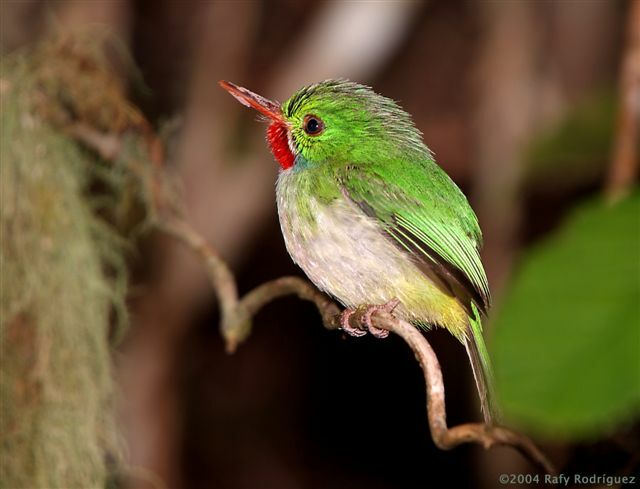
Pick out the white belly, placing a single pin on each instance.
(345, 253)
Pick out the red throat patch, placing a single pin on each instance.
(279, 144)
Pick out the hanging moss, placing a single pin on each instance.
(62, 279)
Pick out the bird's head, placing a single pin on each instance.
(332, 121)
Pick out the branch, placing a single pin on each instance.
(270, 291)
(220, 275)
(624, 161)
(236, 315)
(447, 438)
(236, 324)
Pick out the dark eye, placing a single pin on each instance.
(313, 125)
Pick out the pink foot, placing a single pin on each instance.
(346, 326)
(367, 312)
(366, 317)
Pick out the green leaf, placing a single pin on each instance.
(566, 342)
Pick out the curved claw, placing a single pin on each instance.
(366, 319)
(346, 326)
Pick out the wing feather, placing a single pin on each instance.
(423, 211)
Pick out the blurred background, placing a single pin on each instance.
(114, 371)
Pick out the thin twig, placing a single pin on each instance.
(255, 300)
(220, 275)
(447, 438)
(625, 159)
(236, 325)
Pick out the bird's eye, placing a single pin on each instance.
(313, 125)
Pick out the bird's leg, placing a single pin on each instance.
(366, 317)
(364, 314)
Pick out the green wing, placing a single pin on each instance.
(425, 213)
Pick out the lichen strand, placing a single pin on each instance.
(55, 302)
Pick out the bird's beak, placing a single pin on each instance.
(250, 99)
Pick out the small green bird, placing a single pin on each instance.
(371, 218)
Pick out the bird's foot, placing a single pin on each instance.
(346, 325)
(371, 309)
(365, 314)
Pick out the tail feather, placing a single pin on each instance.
(481, 365)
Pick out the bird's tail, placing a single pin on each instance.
(481, 365)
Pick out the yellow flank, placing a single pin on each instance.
(424, 303)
